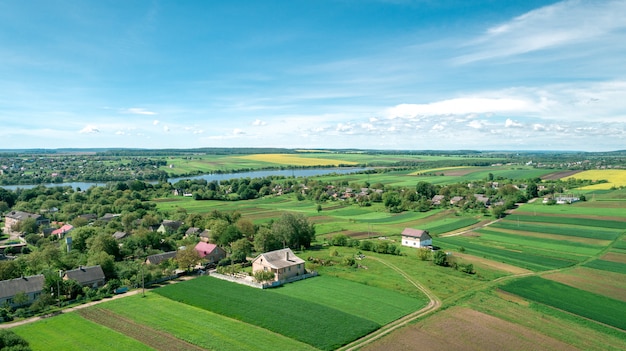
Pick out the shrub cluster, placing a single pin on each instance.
(381, 246)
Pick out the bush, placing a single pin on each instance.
(11, 341)
(440, 258)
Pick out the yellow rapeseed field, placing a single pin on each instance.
(615, 178)
(295, 160)
(434, 170)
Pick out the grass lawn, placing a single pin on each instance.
(71, 332)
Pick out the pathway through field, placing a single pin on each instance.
(433, 304)
(156, 339)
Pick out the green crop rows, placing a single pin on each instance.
(579, 231)
(282, 314)
(610, 266)
(583, 303)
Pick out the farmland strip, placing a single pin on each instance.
(154, 338)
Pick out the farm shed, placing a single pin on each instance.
(31, 286)
(92, 276)
(416, 238)
(284, 263)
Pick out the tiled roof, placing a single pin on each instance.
(415, 233)
(158, 258)
(21, 215)
(11, 287)
(280, 258)
(86, 274)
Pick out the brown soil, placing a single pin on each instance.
(615, 257)
(512, 297)
(156, 339)
(491, 264)
(460, 328)
(457, 172)
(559, 175)
(601, 282)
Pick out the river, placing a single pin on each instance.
(306, 172)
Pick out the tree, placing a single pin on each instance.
(319, 208)
(440, 258)
(423, 253)
(11, 341)
(266, 240)
(241, 249)
(294, 230)
(246, 227)
(263, 276)
(103, 243)
(532, 191)
(187, 258)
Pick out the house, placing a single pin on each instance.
(108, 217)
(456, 199)
(482, 198)
(416, 238)
(205, 235)
(566, 199)
(158, 258)
(168, 226)
(88, 217)
(210, 253)
(120, 235)
(284, 263)
(92, 276)
(66, 228)
(437, 199)
(192, 231)
(14, 218)
(32, 286)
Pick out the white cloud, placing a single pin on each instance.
(120, 132)
(476, 124)
(140, 111)
(564, 23)
(539, 127)
(258, 122)
(238, 131)
(460, 106)
(166, 128)
(512, 124)
(90, 129)
(155, 122)
(438, 127)
(344, 128)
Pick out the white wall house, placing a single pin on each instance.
(416, 238)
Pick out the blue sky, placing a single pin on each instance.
(483, 75)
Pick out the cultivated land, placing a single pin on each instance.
(546, 277)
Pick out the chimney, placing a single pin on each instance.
(287, 255)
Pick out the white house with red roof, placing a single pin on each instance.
(210, 253)
(416, 238)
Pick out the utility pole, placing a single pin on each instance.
(59, 287)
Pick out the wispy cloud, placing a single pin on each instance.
(258, 122)
(89, 130)
(139, 111)
(459, 106)
(561, 24)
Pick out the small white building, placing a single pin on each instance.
(416, 238)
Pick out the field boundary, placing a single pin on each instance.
(157, 339)
(433, 305)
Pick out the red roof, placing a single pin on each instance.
(64, 229)
(205, 248)
(416, 233)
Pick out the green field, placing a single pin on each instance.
(365, 301)
(610, 266)
(199, 326)
(555, 227)
(71, 332)
(333, 327)
(583, 303)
